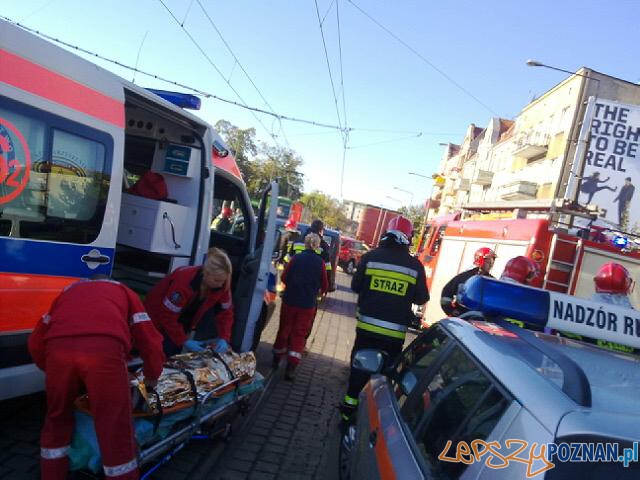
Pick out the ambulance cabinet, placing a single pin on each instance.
(153, 225)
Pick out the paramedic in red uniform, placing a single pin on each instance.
(180, 300)
(389, 280)
(305, 276)
(483, 262)
(84, 340)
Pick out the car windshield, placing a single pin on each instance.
(613, 377)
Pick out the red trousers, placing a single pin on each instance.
(98, 363)
(295, 325)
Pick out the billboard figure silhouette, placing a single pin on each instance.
(590, 185)
(624, 198)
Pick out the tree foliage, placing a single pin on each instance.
(326, 208)
(261, 163)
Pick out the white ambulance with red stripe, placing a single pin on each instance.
(73, 139)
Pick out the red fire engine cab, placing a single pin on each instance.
(568, 258)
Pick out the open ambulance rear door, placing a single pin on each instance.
(254, 272)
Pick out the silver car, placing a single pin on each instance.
(489, 400)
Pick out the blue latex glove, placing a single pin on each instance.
(193, 346)
(221, 345)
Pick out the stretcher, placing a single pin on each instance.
(162, 433)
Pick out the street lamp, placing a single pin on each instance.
(577, 167)
(405, 191)
(419, 175)
(394, 199)
(535, 63)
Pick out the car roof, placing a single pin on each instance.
(571, 387)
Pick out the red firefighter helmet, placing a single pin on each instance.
(613, 278)
(227, 212)
(291, 225)
(520, 269)
(403, 226)
(481, 255)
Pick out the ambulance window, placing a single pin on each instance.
(62, 195)
(229, 210)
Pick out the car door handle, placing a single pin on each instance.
(373, 438)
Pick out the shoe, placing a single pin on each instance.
(289, 373)
(275, 363)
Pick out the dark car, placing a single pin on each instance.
(463, 386)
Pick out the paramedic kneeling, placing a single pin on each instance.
(83, 342)
(180, 300)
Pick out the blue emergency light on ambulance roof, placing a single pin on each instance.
(502, 299)
(182, 100)
(554, 310)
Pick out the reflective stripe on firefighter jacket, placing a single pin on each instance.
(388, 281)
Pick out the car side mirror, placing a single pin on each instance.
(369, 360)
(408, 382)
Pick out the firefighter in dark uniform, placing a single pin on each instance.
(483, 262)
(388, 281)
(291, 236)
(317, 227)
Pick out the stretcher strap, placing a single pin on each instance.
(158, 417)
(219, 357)
(194, 389)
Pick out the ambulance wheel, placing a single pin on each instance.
(351, 267)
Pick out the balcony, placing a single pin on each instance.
(530, 147)
(462, 184)
(482, 177)
(520, 190)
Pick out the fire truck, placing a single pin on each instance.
(568, 256)
(74, 139)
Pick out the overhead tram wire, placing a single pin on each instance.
(344, 132)
(386, 141)
(212, 63)
(344, 104)
(326, 56)
(196, 91)
(235, 57)
(424, 59)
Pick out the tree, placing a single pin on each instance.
(262, 163)
(242, 144)
(416, 214)
(325, 208)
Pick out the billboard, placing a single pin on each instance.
(612, 164)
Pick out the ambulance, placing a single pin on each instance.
(568, 258)
(74, 139)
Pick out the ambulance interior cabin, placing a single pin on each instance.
(157, 234)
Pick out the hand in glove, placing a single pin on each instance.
(193, 346)
(220, 345)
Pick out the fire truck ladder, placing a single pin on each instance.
(563, 255)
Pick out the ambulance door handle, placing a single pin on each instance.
(92, 257)
(176, 245)
(373, 438)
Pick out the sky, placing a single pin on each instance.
(403, 76)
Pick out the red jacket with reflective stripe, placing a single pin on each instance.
(100, 307)
(175, 292)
